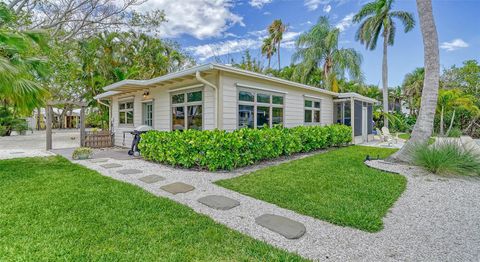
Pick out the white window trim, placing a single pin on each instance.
(125, 101)
(255, 104)
(260, 88)
(185, 104)
(313, 109)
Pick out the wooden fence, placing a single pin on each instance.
(98, 139)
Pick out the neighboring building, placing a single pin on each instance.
(218, 96)
(71, 119)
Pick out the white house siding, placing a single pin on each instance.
(293, 103)
(162, 108)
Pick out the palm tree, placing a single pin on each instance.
(412, 89)
(276, 30)
(20, 70)
(424, 126)
(318, 48)
(377, 18)
(268, 49)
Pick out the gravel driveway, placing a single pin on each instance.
(436, 218)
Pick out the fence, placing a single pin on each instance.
(98, 139)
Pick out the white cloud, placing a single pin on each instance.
(198, 18)
(267, 13)
(259, 3)
(345, 23)
(206, 51)
(313, 4)
(327, 8)
(454, 44)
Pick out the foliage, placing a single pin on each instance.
(335, 186)
(447, 157)
(10, 122)
(21, 64)
(275, 32)
(412, 89)
(97, 119)
(318, 49)
(216, 149)
(77, 214)
(248, 63)
(455, 132)
(82, 153)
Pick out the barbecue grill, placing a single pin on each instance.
(136, 139)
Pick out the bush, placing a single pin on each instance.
(82, 153)
(216, 149)
(447, 158)
(455, 132)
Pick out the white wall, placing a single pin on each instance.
(293, 104)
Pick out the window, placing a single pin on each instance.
(125, 113)
(342, 113)
(187, 110)
(148, 113)
(257, 109)
(312, 111)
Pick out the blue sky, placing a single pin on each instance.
(219, 30)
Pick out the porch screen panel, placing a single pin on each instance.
(370, 118)
(358, 118)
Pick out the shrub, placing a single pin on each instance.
(447, 158)
(455, 132)
(216, 149)
(82, 153)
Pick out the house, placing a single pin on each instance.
(219, 96)
(70, 119)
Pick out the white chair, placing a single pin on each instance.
(389, 137)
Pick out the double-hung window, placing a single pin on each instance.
(187, 110)
(312, 111)
(257, 109)
(125, 112)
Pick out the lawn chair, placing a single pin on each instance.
(389, 137)
(379, 134)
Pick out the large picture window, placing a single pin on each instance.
(257, 109)
(187, 110)
(125, 113)
(312, 111)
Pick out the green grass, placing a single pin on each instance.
(404, 136)
(335, 186)
(51, 209)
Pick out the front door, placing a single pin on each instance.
(364, 124)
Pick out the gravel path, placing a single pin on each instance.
(436, 219)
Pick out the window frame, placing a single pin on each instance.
(257, 104)
(185, 104)
(313, 110)
(144, 103)
(125, 110)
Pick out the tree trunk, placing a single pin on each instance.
(424, 126)
(278, 54)
(441, 121)
(39, 114)
(451, 123)
(385, 79)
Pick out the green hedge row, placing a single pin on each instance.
(216, 149)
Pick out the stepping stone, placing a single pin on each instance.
(219, 202)
(129, 171)
(284, 226)
(111, 165)
(99, 160)
(177, 188)
(151, 179)
(16, 153)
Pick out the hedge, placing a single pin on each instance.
(216, 149)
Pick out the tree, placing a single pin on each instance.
(377, 18)
(424, 126)
(276, 30)
(248, 63)
(412, 89)
(318, 48)
(268, 49)
(21, 65)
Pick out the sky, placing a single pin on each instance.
(219, 30)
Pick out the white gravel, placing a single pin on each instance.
(436, 219)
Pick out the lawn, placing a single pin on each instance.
(335, 186)
(51, 209)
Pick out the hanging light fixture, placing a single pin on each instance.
(146, 93)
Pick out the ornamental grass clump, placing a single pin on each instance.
(447, 157)
(217, 149)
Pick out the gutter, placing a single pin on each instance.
(202, 80)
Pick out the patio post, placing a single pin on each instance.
(48, 112)
(82, 126)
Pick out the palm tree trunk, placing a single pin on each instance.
(278, 54)
(441, 121)
(385, 79)
(424, 126)
(451, 122)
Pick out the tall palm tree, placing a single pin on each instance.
(377, 18)
(424, 126)
(276, 30)
(268, 49)
(318, 48)
(20, 69)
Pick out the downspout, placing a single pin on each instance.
(203, 81)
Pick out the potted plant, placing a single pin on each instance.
(81, 153)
